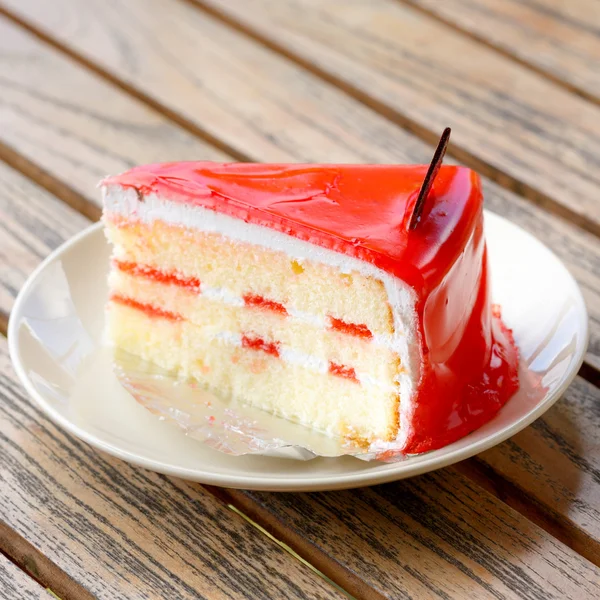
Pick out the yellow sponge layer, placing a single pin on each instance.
(242, 268)
(364, 355)
(324, 401)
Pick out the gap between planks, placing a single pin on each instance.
(498, 487)
(39, 567)
(298, 545)
(364, 590)
(479, 39)
(511, 494)
(52, 578)
(172, 115)
(14, 582)
(430, 137)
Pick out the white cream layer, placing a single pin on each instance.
(306, 361)
(226, 296)
(126, 203)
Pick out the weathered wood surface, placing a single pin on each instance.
(32, 223)
(509, 122)
(561, 39)
(14, 583)
(555, 463)
(436, 535)
(90, 141)
(566, 435)
(68, 120)
(123, 532)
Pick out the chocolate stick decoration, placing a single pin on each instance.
(434, 167)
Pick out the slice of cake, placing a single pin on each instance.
(302, 290)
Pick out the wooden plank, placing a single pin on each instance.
(92, 141)
(74, 123)
(434, 536)
(559, 38)
(556, 463)
(32, 223)
(14, 583)
(249, 98)
(508, 122)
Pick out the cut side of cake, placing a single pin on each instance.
(300, 290)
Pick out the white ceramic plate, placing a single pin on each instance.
(55, 342)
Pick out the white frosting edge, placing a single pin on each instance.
(124, 201)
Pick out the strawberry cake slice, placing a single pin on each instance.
(304, 290)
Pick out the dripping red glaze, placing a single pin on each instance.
(137, 270)
(350, 328)
(260, 302)
(342, 371)
(256, 343)
(468, 360)
(148, 309)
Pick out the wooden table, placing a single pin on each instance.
(92, 87)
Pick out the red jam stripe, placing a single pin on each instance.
(342, 371)
(151, 311)
(260, 302)
(350, 328)
(256, 343)
(137, 270)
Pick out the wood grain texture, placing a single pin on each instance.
(14, 583)
(39, 566)
(243, 94)
(508, 122)
(74, 123)
(32, 223)
(556, 462)
(433, 536)
(560, 38)
(546, 470)
(123, 532)
(92, 141)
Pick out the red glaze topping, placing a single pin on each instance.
(137, 270)
(151, 311)
(350, 328)
(468, 366)
(342, 371)
(256, 343)
(260, 302)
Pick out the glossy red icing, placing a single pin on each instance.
(137, 270)
(468, 366)
(342, 371)
(350, 328)
(256, 343)
(260, 302)
(148, 309)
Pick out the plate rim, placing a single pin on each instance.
(263, 482)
